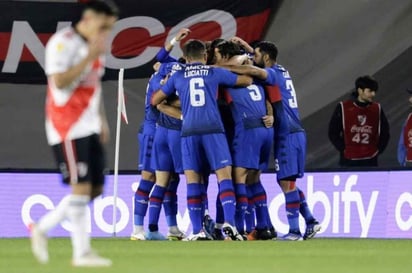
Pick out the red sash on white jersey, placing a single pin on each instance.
(64, 117)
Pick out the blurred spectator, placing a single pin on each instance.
(405, 139)
(358, 128)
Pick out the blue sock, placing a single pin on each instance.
(260, 200)
(205, 203)
(205, 178)
(155, 205)
(194, 205)
(250, 211)
(292, 210)
(241, 206)
(304, 209)
(220, 218)
(269, 221)
(170, 203)
(227, 197)
(141, 200)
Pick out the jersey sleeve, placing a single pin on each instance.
(58, 56)
(225, 77)
(273, 93)
(169, 88)
(271, 76)
(163, 56)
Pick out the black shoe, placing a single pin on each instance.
(312, 228)
(217, 235)
(264, 234)
(273, 233)
(208, 224)
(244, 235)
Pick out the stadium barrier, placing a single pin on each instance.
(374, 204)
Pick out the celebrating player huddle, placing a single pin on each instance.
(209, 111)
(216, 112)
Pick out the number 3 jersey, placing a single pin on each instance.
(72, 112)
(279, 86)
(361, 129)
(197, 87)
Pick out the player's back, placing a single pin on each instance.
(168, 121)
(151, 114)
(290, 121)
(197, 86)
(248, 104)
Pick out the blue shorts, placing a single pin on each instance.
(198, 150)
(290, 153)
(145, 152)
(167, 148)
(251, 147)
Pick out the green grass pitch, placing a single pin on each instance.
(316, 255)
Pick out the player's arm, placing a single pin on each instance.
(229, 79)
(335, 130)
(96, 48)
(163, 55)
(384, 133)
(243, 44)
(158, 97)
(105, 133)
(250, 70)
(166, 90)
(268, 119)
(175, 103)
(169, 110)
(243, 80)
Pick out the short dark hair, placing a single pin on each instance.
(269, 48)
(228, 49)
(366, 82)
(106, 7)
(194, 49)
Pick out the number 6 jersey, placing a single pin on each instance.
(197, 87)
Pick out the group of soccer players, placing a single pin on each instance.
(211, 111)
(214, 111)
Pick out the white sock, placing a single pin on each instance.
(173, 229)
(138, 229)
(218, 226)
(54, 217)
(80, 220)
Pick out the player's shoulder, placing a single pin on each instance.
(64, 39)
(66, 34)
(346, 103)
(280, 68)
(156, 77)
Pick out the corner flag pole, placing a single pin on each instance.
(121, 110)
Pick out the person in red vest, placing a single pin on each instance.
(359, 129)
(405, 140)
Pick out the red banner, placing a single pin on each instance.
(138, 35)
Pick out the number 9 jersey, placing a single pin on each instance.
(197, 87)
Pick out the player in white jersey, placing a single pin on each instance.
(76, 126)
